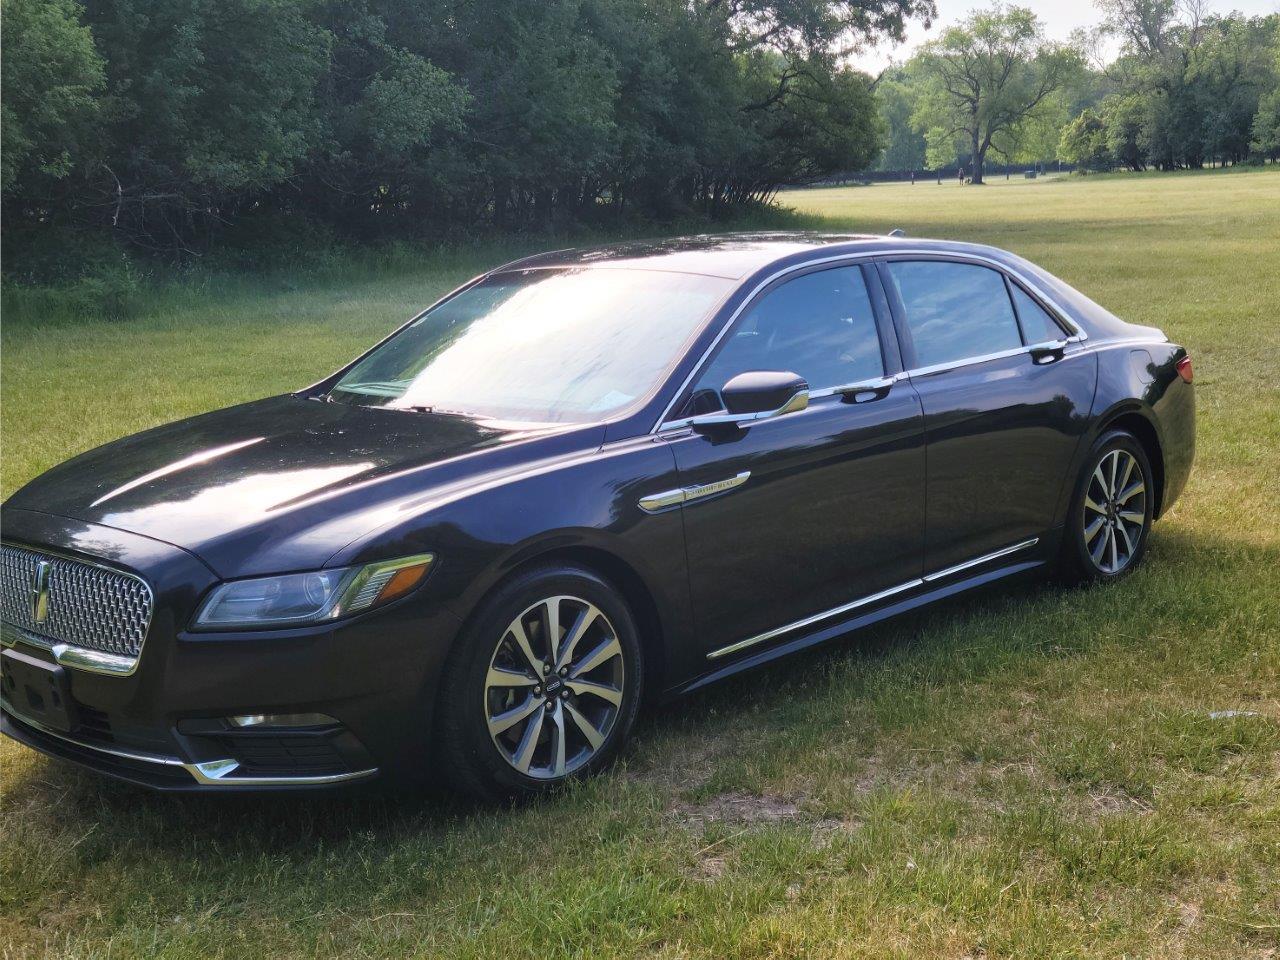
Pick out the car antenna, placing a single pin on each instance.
(897, 232)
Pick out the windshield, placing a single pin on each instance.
(548, 346)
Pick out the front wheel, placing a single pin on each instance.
(543, 686)
(1111, 512)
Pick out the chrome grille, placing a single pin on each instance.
(93, 607)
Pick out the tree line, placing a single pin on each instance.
(1161, 84)
(165, 124)
(177, 126)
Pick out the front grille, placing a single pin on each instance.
(88, 606)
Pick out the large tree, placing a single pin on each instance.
(987, 80)
(52, 76)
(905, 146)
(1084, 142)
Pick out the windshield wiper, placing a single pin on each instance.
(374, 388)
(420, 408)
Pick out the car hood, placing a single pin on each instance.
(284, 483)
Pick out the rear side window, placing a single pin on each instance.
(1036, 322)
(954, 310)
(820, 326)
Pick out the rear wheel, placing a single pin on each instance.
(1111, 512)
(543, 687)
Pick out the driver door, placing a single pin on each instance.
(800, 515)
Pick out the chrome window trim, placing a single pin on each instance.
(1078, 333)
(859, 386)
(872, 598)
(844, 389)
(205, 772)
(982, 358)
(71, 655)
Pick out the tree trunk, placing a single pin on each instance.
(979, 155)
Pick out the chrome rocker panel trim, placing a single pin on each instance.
(209, 773)
(872, 598)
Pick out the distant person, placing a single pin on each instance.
(913, 178)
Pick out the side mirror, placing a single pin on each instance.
(758, 395)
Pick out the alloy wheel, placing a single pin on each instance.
(554, 687)
(1115, 511)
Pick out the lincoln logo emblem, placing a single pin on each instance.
(40, 592)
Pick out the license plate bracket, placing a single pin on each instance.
(38, 690)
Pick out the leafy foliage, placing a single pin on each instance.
(170, 123)
(1189, 89)
(988, 81)
(1084, 142)
(52, 77)
(1184, 89)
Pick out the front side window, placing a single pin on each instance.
(547, 346)
(954, 310)
(820, 326)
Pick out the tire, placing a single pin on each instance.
(1102, 540)
(503, 732)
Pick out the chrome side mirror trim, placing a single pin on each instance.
(799, 400)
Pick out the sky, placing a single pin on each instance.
(1060, 17)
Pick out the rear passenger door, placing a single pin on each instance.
(1003, 413)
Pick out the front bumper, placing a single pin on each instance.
(163, 726)
(160, 772)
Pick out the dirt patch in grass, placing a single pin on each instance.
(1108, 800)
(738, 809)
(741, 813)
(747, 811)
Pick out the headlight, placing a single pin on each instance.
(297, 599)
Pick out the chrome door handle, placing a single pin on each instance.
(863, 391)
(1047, 352)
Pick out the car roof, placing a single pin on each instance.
(729, 255)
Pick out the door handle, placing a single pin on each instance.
(864, 391)
(1047, 352)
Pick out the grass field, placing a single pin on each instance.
(1032, 772)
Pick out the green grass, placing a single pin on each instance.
(1031, 772)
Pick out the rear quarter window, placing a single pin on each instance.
(1038, 326)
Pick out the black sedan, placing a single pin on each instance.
(581, 481)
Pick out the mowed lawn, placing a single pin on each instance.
(1035, 771)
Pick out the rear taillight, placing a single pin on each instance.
(1184, 369)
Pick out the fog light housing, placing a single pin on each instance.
(265, 720)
